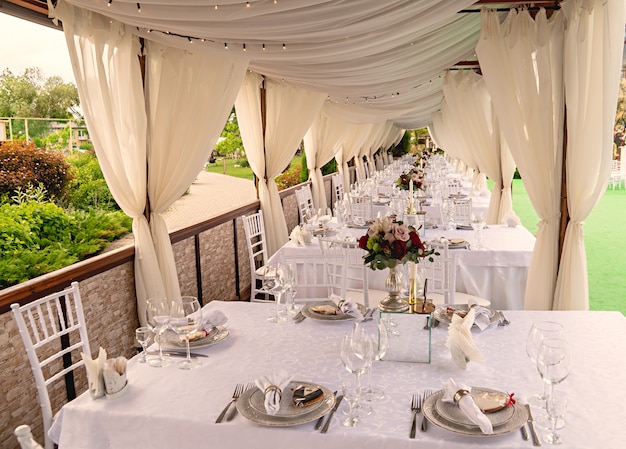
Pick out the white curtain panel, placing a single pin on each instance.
(593, 55)
(320, 145)
(508, 171)
(189, 97)
(353, 138)
(521, 60)
(448, 138)
(104, 59)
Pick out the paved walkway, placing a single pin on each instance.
(210, 195)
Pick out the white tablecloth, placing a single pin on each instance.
(171, 408)
(496, 272)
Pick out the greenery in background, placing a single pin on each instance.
(88, 189)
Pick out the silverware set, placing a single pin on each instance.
(330, 414)
(431, 322)
(368, 315)
(299, 317)
(503, 321)
(417, 403)
(239, 389)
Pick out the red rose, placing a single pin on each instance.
(363, 242)
(398, 249)
(415, 239)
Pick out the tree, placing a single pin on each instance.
(231, 136)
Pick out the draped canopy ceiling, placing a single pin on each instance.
(384, 60)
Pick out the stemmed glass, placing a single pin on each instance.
(554, 364)
(356, 352)
(158, 318)
(478, 223)
(185, 319)
(538, 332)
(556, 407)
(288, 275)
(143, 335)
(273, 282)
(380, 344)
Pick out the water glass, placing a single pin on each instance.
(185, 319)
(556, 406)
(538, 332)
(158, 318)
(143, 335)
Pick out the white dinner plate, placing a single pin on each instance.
(454, 414)
(251, 406)
(517, 420)
(307, 311)
(217, 334)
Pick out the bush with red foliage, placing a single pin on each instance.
(22, 164)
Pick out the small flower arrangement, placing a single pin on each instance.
(405, 179)
(388, 243)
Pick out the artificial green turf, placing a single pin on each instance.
(605, 244)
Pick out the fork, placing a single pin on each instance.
(233, 411)
(416, 407)
(299, 317)
(503, 320)
(236, 394)
(424, 420)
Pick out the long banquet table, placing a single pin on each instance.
(497, 272)
(172, 408)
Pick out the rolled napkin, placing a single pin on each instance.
(94, 373)
(300, 236)
(272, 388)
(460, 395)
(460, 340)
(210, 320)
(347, 307)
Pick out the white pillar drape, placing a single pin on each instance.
(353, 138)
(289, 112)
(320, 146)
(131, 132)
(593, 55)
(521, 61)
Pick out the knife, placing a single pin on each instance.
(174, 353)
(319, 422)
(531, 426)
(524, 432)
(332, 412)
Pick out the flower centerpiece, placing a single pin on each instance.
(415, 175)
(388, 244)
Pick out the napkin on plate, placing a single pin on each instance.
(347, 307)
(466, 404)
(272, 387)
(210, 320)
(460, 340)
(482, 314)
(300, 236)
(94, 369)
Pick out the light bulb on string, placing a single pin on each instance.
(138, 7)
(244, 47)
(225, 46)
(263, 47)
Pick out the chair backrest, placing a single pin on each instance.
(463, 211)
(337, 186)
(361, 206)
(53, 330)
(315, 277)
(441, 273)
(345, 264)
(254, 228)
(304, 197)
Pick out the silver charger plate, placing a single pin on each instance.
(309, 313)
(454, 414)
(517, 420)
(251, 406)
(216, 335)
(440, 313)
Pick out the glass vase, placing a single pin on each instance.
(393, 284)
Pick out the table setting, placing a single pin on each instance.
(159, 401)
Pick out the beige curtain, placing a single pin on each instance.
(593, 56)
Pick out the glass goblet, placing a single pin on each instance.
(538, 332)
(185, 319)
(556, 406)
(553, 362)
(273, 283)
(143, 335)
(351, 393)
(478, 223)
(158, 318)
(380, 344)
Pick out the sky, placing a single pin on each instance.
(24, 44)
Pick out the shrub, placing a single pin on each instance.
(88, 188)
(22, 164)
(288, 178)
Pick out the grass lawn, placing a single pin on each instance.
(226, 166)
(605, 243)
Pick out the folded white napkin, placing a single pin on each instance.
(94, 369)
(272, 388)
(460, 340)
(114, 374)
(482, 315)
(300, 236)
(466, 404)
(210, 320)
(347, 306)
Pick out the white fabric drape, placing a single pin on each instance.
(189, 96)
(289, 113)
(320, 146)
(593, 55)
(473, 121)
(130, 134)
(521, 61)
(353, 138)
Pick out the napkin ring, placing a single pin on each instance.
(275, 388)
(459, 394)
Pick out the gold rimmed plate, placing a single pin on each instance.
(215, 335)
(327, 311)
(444, 314)
(492, 402)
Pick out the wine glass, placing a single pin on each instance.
(538, 332)
(553, 362)
(143, 335)
(356, 354)
(380, 344)
(478, 223)
(273, 283)
(158, 318)
(556, 406)
(185, 319)
(351, 393)
(288, 275)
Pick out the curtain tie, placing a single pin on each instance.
(544, 221)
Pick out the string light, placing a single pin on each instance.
(247, 4)
(109, 2)
(244, 47)
(263, 47)
(138, 7)
(190, 40)
(225, 46)
(216, 6)
(284, 47)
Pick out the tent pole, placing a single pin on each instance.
(263, 128)
(142, 67)
(564, 210)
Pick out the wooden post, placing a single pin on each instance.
(142, 67)
(564, 211)
(263, 129)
